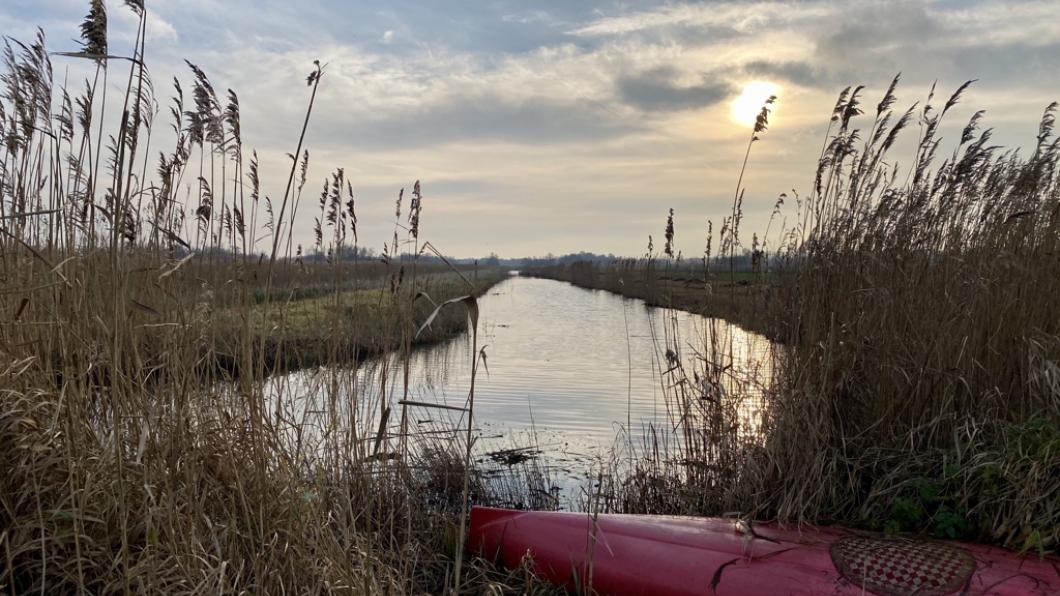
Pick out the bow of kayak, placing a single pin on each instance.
(647, 554)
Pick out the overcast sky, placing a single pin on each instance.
(563, 125)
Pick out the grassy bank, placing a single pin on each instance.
(313, 326)
(740, 298)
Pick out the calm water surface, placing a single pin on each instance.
(575, 364)
(566, 368)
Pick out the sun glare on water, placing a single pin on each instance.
(746, 106)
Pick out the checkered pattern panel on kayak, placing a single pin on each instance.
(894, 567)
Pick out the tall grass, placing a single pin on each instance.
(921, 309)
(916, 370)
(915, 313)
(144, 445)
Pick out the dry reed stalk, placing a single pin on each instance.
(135, 436)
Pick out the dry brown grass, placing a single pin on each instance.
(918, 320)
(919, 336)
(923, 320)
(134, 459)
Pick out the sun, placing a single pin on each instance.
(745, 107)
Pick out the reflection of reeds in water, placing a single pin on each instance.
(714, 380)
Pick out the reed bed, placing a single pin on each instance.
(145, 445)
(922, 307)
(147, 448)
(915, 313)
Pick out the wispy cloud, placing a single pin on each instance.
(124, 24)
(597, 110)
(659, 89)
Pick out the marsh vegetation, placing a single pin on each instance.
(147, 445)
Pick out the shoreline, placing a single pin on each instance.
(742, 304)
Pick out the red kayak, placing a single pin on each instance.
(652, 554)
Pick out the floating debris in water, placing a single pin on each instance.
(511, 457)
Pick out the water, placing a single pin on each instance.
(567, 371)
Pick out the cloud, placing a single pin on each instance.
(870, 31)
(580, 106)
(669, 16)
(158, 28)
(658, 89)
(1001, 44)
(491, 118)
(1011, 63)
(124, 23)
(743, 17)
(794, 71)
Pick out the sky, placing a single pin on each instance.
(560, 126)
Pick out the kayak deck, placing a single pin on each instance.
(649, 554)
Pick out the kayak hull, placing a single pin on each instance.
(645, 554)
